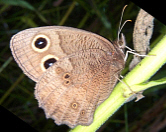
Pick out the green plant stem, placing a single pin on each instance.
(8, 92)
(67, 14)
(140, 74)
(6, 64)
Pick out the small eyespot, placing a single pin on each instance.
(67, 75)
(59, 70)
(67, 82)
(67, 79)
(49, 62)
(74, 105)
(82, 112)
(41, 43)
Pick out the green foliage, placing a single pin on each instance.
(20, 3)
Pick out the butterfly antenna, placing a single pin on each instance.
(120, 28)
(123, 25)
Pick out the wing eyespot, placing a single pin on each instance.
(74, 105)
(48, 61)
(40, 43)
(67, 79)
(82, 112)
(66, 76)
(59, 70)
(67, 82)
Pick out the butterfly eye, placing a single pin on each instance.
(41, 43)
(120, 43)
(49, 62)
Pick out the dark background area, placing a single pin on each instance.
(98, 16)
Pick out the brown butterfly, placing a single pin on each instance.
(74, 70)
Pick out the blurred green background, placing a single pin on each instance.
(98, 16)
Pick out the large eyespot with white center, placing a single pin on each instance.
(48, 61)
(41, 43)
